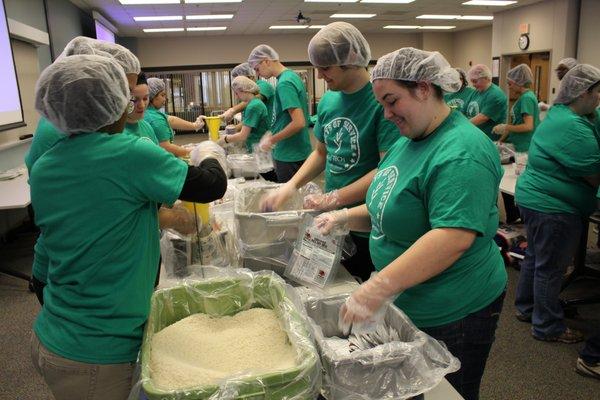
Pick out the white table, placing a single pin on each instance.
(443, 391)
(509, 179)
(14, 193)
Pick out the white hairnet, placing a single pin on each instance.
(82, 93)
(576, 82)
(243, 69)
(568, 62)
(337, 44)
(521, 74)
(85, 45)
(479, 71)
(244, 84)
(410, 64)
(155, 86)
(262, 52)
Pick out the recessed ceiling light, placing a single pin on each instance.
(401, 27)
(206, 28)
(437, 27)
(330, 1)
(498, 3)
(159, 18)
(316, 26)
(477, 17)
(352, 15)
(142, 2)
(152, 30)
(288, 27)
(388, 1)
(208, 16)
(211, 1)
(437, 16)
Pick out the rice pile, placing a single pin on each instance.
(202, 350)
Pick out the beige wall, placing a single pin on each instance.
(473, 47)
(552, 26)
(440, 41)
(589, 49)
(211, 50)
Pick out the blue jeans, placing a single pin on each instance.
(470, 340)
(551, 243)
(591, 351)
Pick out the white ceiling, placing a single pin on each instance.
(253, 17)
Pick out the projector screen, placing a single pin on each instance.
(11, 111)
(103, 33)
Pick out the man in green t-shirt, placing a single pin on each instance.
(352, 132)
(525, 113)
(289, 122)
(460, 100)
(266, 91)
(488, 105)
(135, 124)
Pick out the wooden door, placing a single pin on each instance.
(540, 66)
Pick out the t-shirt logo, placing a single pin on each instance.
(457, 103)
(341, 136)
(512, 114)
(473, 109)
(384, 183)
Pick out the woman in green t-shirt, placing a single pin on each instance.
(525, 113)
(431, 210)
(555, 194)
(460, 100)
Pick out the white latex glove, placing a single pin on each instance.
(323, 202)
(228, 115)
(221, 142)
(543, 106)
(274, 200)
(199, 123)
(366, 307)
(266, 143)
(333, 221)
(499, 129)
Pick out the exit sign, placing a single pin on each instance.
(524, 29)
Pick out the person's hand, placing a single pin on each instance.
(275, 199)
(221, 142)
(333, 221)
(323, 202)
(266, 143)
(367, 304)
(228, 115)
(500, 129)
(543, 106)
(199, 123)
(177, 218)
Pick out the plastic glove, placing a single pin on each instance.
(499, 129)
(228, 115)
(199, 123)
(274, 200)
(209, 149)
(333, 221)
(324, 202)
(543, 106)
(221, 142)
(178, 218)
(266, 143)
(366, 307)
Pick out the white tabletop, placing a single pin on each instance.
(443, 391)
(509, 179)
(14, 193)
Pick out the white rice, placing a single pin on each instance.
(202, 350)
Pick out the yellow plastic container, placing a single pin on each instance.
(213, 124)
(198, 209)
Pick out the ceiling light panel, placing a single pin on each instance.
(438, 16)
(316, 26)
(159, 18)
(288, 27)
(330, 1)
(438, 27)
(476, 17)
(209, 17)
(144, 2)
(387, 1)
(401, 27)
(352, 15)
(497, 3)
(155, 30)
(211, 1)
(206, 28)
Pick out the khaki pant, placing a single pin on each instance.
(73, 380)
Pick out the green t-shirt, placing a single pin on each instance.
(290, 93)
(141, 129)
(160, 123)
(563, 151)
(448, 180)
(354, 130)
(460, 100)
(45, 137)
(526, 104)
(492, 103)
(256, 117)
(268, 92)
(95, 201)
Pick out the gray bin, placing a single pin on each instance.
(395, 370)
(266, 237)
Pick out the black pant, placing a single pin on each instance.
(360, 264)
(470, 340)
(285, 170)
(38, 288)
(270, 176)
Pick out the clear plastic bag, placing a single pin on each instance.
(398, 369)
(243, 165)
(220, 292)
